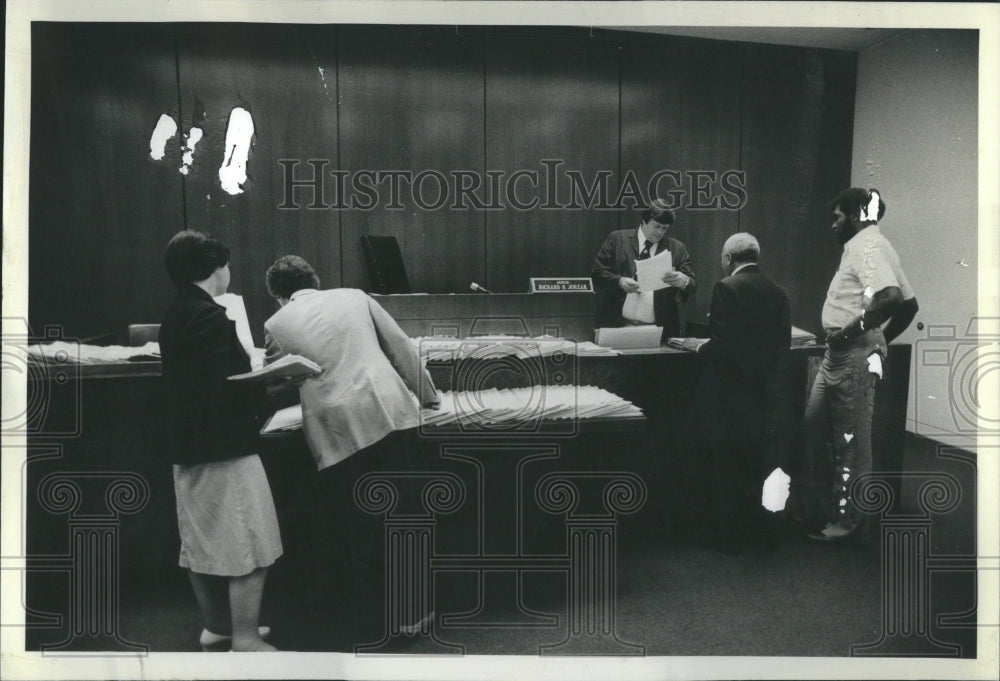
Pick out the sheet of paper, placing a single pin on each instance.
(588, 349)
(289, 418)
(237, 311)
(481, 347)
(639, 307)
(689, 344)
(63, 352)
(649, 272)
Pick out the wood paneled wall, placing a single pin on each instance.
(549, 97)
(277, 78)
(413, 100)
(100, 211)
(445, 99)
(797, 135)
(681, 113)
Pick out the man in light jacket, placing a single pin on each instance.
(359, 415)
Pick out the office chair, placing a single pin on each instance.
(385, 264)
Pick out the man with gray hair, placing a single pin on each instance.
(750, 327)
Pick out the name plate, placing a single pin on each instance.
(572, 285)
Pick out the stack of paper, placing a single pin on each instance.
(588, 349)
(438, 349)
(530, 405)
(508, 407)
(289, 418)
(802, 338)
(692, 344)
(65, 352)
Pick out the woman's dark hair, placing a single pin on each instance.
(193, 256)
(851, 201)
(288, 274)
(659, 210)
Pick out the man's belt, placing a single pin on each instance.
(865, 338)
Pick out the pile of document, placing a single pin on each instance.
(689, 344)
(501, 406)
(529, 405)
(588, 349)
(289, 418)
(802, 338)
(65, 352)
(439, 349)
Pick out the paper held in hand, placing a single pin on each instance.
(649, 272)
(236, 310)
(289, 366)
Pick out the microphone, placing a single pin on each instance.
(476, 287)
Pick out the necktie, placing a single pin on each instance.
(645, 250)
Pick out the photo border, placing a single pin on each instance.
(17, 663)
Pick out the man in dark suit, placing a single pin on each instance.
(750, 325)
(614, 274)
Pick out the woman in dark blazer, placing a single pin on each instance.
(225, 514)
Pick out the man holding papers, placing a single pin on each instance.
(640, 292)
(359, 414)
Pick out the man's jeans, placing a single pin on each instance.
(840, 409)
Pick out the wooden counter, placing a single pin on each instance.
(564, 315)
(104, 421)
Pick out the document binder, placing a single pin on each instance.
(627, 337)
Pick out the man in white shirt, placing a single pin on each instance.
(868, 289)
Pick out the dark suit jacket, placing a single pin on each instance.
(616, 259)
(207, 418)
(750, 326)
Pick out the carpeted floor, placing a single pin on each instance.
(799, 600)
(672, 598)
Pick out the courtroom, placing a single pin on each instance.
(534, 340)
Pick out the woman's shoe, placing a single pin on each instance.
(212, 642)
